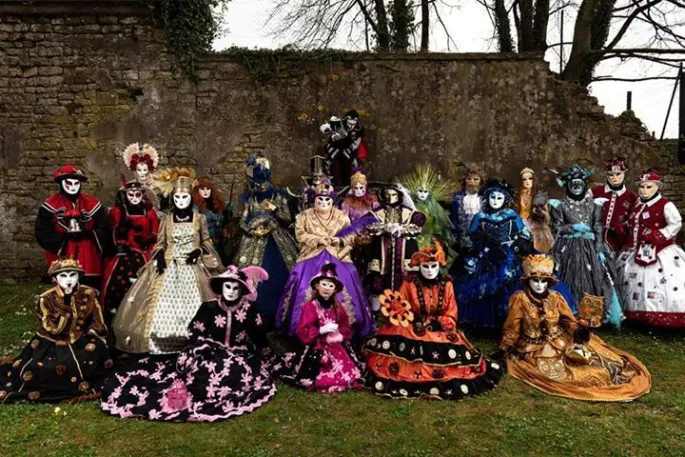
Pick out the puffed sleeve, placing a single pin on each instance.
(343, 322)
(566, 318)
(53, 323)
(308, 327)
(448, 319)
(161, 235)
(255, 328)
(407, 292)
(512, 326)
(48, 238)
(310, 240)
(199, 325)
(674, 221)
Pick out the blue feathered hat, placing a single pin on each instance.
(575, 172)
(258, 168)
(499, 185)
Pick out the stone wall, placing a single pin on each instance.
(79, 80)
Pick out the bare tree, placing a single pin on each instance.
(425, 25)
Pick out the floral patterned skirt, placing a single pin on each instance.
(325, 367)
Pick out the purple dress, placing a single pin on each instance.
(314, 233)
(225, 371)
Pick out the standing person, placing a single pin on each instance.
(653, 265)
(547, 348)
(68, 356)
(226, 370)
(323, 235)
(134, 225)
(208, 201)
(154, 315)
(327, 362)
(579, 246)
(467, 203)
(525, 195)
(73, 224)
(617, 202)
(266, 241)
(419, 351)
(345, 145)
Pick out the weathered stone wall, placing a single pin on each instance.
(79, 80)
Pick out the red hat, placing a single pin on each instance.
(69, 172)
(649, 176)
(616, 164)
(329, 272)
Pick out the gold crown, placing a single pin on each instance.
(64, 264)
(527, 170)
(358, 178)
(538, 266)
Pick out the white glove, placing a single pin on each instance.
(328, 328)
(375, 303)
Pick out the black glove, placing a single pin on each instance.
(582, 335)
(144, 242)
(191, 258)
(161, 262)
(499, 355)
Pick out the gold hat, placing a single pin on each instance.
(539, 266)
(173, 180)
(64, 264)
(527, 170)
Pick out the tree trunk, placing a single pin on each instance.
(382, 24)
(402, 22)
(526, 32)
(425, 25)
(540, 25)
(503, 27)
(576, 68)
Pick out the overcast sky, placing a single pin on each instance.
(471, 30)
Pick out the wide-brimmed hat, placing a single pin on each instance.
(248, 278)
(328, 271)
(69, 172)
(433, 253)
(64, 264)
(539, 266)
(649, 175)
(616, 164)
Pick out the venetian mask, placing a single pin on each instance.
(351, 123)
(538, 285)
(527, 181)
(205, 192)
(430, 270)
(134, 196)
(576, 187)
(392, 196)
(648, 189)
(231, 291)
(325, 288)
(142, 171)
(71, 186)
(616, 178)
(323, 203)
(182, 200)
(422, 194)
(496, 200)
(67, 281)
(473, 183)
(359, 190)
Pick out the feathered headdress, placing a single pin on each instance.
(133, 155)
(433, 253)
(174, 178)
(499, 185)
(427, 177)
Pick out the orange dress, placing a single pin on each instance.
(430, 358)
(546, 359)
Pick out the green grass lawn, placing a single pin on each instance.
(513, 420)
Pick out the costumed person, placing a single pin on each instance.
(134, 225)
(207, 200)
(68, 356)
(540, 224)
(345, 147)
(154, 315)
(317, 175)
(547, 348)
(419, 351)
(491, 268)
(143, 163)
(395, 240)
(325, 236)
(73, 224)
(617, 202)
(226, 370)
(266, 241)
(428, 189)
(579, 247)
(652, 265)
(527, 191)
(467, 203)
(327, 362)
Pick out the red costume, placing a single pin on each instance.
(72, 225)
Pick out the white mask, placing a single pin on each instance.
(527, 181)
(537, 285)
(205, 192)
(231, 291)
(142, 171)
(430, 270)
(648, 189)
(326, 288)
(134, 196)
(496, 200)
(422, 194)
(616, 178)
(182, 200)
(576, 187)
(71, 186)
(323, 203)
(392, 196)
(67, 281)
(359, 190)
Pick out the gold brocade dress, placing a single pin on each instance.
(550, 361)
